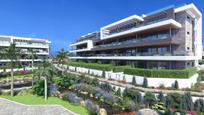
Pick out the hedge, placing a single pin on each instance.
(154, 73)
(103, 67)
(185, 73)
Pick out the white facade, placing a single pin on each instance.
(40, 46)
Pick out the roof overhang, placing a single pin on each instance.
(123, 21)
(167, 22)
(189, 7)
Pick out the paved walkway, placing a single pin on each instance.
(12, 108)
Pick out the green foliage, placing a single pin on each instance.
(199, 105)
(145, 82)
(127, 103)
(185, 73)
(39, 88)
(176, 85)
(64, 82)
(134, 81)
(118, 92)
(187, 102)
(173, 100)
(159, 107)
(6, 93)
(26, 92)
(134, 94)
(105, 67)
(161, 97)
(149, 99)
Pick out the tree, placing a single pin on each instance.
(187, 102)
(61, 56)
(145, 82)
(118, 92)
(32, 55)
(12, 54)
(134, 81)
(103, 74)
(169, 101)
(174, 100)
(176, 85)
(45, 71)
(149, 99)
(199, 105)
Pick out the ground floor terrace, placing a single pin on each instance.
(148, 64)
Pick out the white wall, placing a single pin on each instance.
(21, 69)
(152, 82)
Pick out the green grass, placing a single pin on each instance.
(17, 76)
(36, 100)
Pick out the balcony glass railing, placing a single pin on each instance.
(133, 27)
(31, 44)
(4, 42)
(134, 41)
(129, 54)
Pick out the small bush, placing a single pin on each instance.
(39, 88)
(91, 107)
(134, 81)
(176, 85)
(145, 82)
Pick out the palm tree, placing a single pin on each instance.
(45, 71)
(32, 55)
(12, 54)
(61, 56)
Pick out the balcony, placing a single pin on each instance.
(34, 45)
(4, 43)
(157, 24)
(135, 41)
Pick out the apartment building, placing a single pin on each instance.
(169, 38)
(39, 46)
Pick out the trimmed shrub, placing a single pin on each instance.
(118, 92)
(199, 105)
(185, 73)
(105, 67)
(187, 102)
(176, 85)
(134, 81)
(145, 82)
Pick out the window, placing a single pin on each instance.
(188, 48)
(188, 33)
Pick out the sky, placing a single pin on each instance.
(63, 21)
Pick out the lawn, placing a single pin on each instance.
(36, 100)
